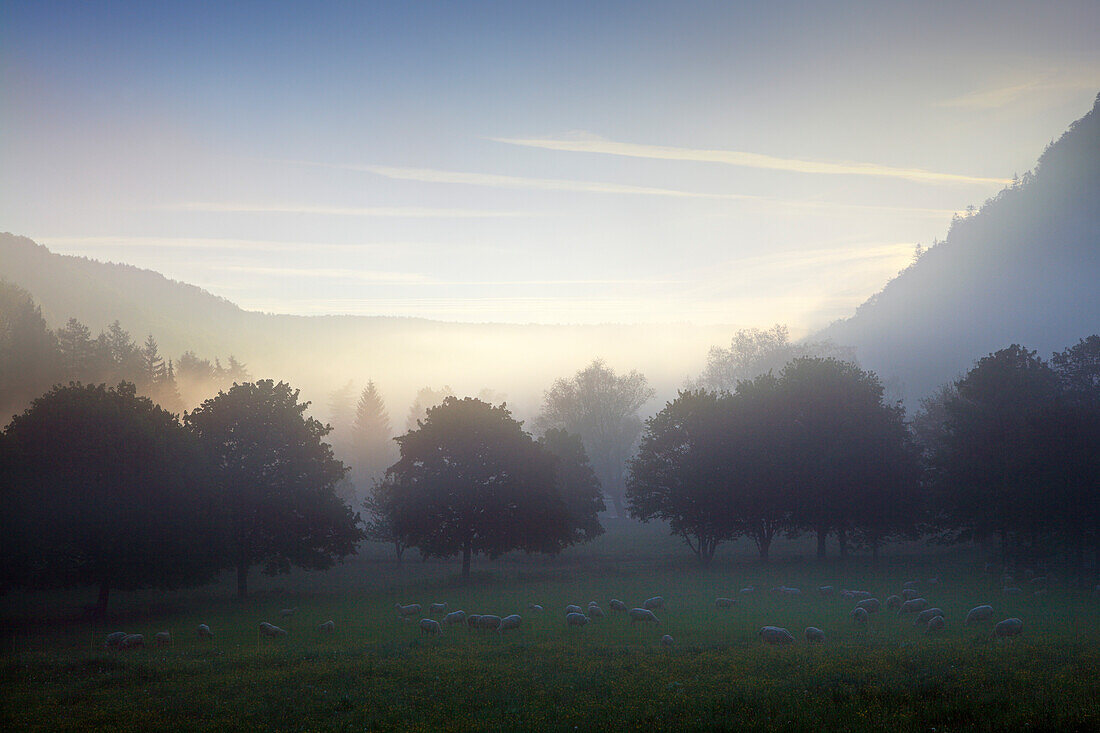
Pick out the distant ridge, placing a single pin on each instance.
(1024, 269)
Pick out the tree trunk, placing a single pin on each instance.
(101, 602)
(821, 535)
(242, 579)
(842, 540)
(466, 553)
(874, 553)
(399, 550)
(764, 544)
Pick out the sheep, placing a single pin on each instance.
(859, 595)
(430, 626)
(471, 621)
(915, 605)
(535, 607)
(775, 635)
(510, 622)
(936, 623)
(859, 616)
(787, 591)
(205, 632)
(747, 589)
(934, 580)
(927, 615)
(1008, 627)
(617, 605)
(327, 627)
(572, 609)
(488, 621)
(666, 641)
(131, 641)
(455, 617)
(288, 612)
(654, 603)
(978, 614)
(576, 619)
(434, 608)
(162, 638)
(644, 615)
(826, 590)
(814, 635)
(909, 594)
(1011, 591)
(595, 611)
(893, 603)
(270, 630)
(413, 609)
(724, 602)
(870, 605)
(911, 584)
(114, 639)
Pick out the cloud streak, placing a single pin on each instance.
(412, 212)
(744, 159)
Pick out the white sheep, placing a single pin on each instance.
(978, 614)
(916, 605)
(1008, 627)
(870, 605)
(576, 619)
(455, 617)
(430, 626)
(724, 602)
(270, 630)
(643, 615)
(909, 594)
(893, 603)
(1011, 591)
(434, 608)
(775, 635)
(617, 605)
(114, 639)
(927, 615)
(595, 611)
(162, 638)
(654, 603)
(666, 641)
(535, 607)
(936, 623)
(860, 595)
(815, 635)
(826, 590)
(327, 627)
(488, 621)
(471, 621)
(413, 609)
(911, 584)
(859, 616)
(510, 622)
(205, 632)
(747, 589)
(288, 612)
(132, 641)
(571, 608)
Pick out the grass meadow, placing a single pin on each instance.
(378, 673)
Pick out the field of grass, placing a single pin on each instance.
(378, 673)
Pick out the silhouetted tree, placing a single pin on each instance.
(1078, 370)
(379, 522)
(576, 482)
(276, 479)
(80, 359)
(373, 449)
(425, 397)
(602, 407)
(29, 356)
(471, 481)
(102, 487)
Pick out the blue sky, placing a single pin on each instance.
(566, 162)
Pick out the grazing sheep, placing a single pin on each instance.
(434, 608)
(911, 584)
(205, 632)
(893, 603)
(978, 614)
(927, 615)
(510, 622)
(114, 639)
(1011, 591)
(489, 621)
(1008, 627)
(617, 605)
(644, 615)
(132, 641)
(576, 619)
(666, 641)
(455, 617)
(860, 595)
(572, 609)
(654, 603)
(870, 605)
(471, 621)
(595, 611)
(936, 623)
(270, 630)
(535, 607)
(787, 591)
(724, 602)
(860, 616)
(935, 580)
(288, 612)
(430, 626)
(413, 609)
(909, 594)
(915, 605)
(162, 638)
(775, 635)
(815, 635)
(327, 627)
(826, 590)
(747, 589)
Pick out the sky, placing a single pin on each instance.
(710, 163)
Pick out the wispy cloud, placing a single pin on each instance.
(414, 212)
(209, 243)
(990, 98)
(416, 278)
(601, 146)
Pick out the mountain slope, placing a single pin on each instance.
(1024, 269)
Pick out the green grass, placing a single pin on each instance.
(378, 673)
